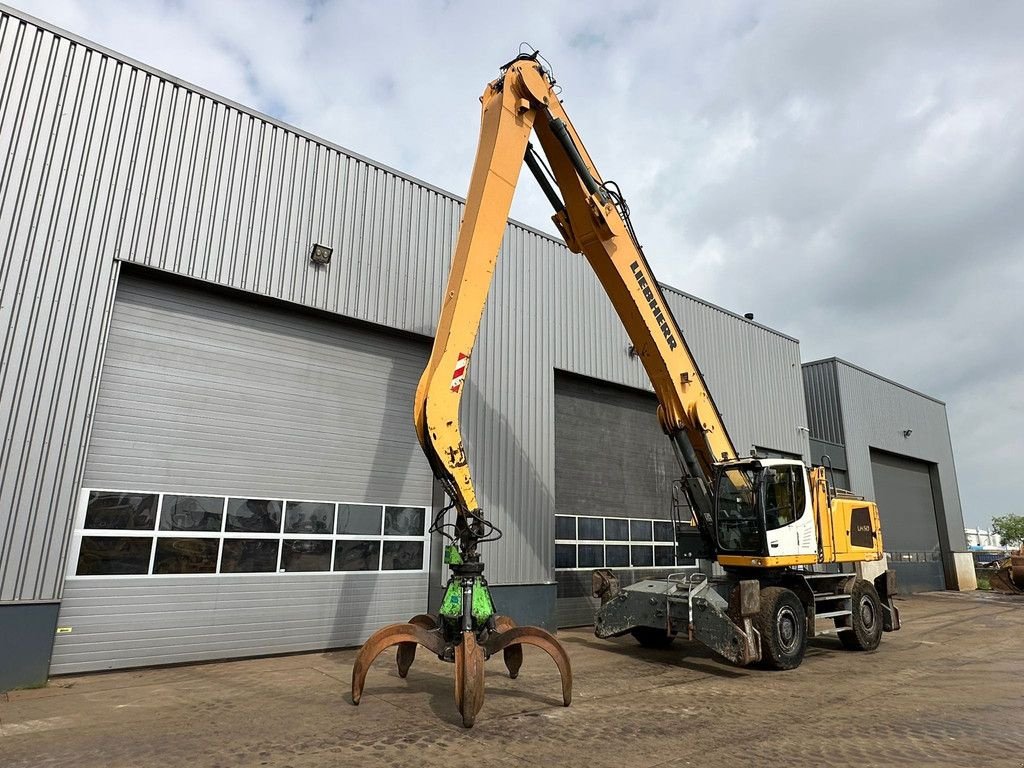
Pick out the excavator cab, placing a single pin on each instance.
(763, 510)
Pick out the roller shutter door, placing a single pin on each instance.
(903, 491)
(614, 470)
(217, 413)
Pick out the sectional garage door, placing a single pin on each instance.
(614, 470)
(253, 484)
(903, 491)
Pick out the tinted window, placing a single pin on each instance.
(186, 555)
(591, 556)
(591, 528)
(254, 515)
(778, 497)
(124, 511)
(249, 555)
(617, 555)
(664, 555)
(113, 555)
(357, 556)
(359, 519)
(565, 555)
(642, 556)
(641, 530)
(663, 531)
(565, 527)
(308, 517)
(402, 555)
(191, 513)
(616, 530)
(305, 555)
(403, 521)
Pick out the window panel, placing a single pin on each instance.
(249, 556)
(113, 555)
(403, 521)
(565, 555)
(305, 555)
(641, 530)
(402, 555)
(254, 516)
(591, 556)
(641, 556)
(121, 511)
(359, 519)
(309, 517)
(565, 527)
(186, 555)
(591, 528)
(616, 530)
(663, 531)
(617, 555)
(357, 556)
(664, 556)
(191, 513)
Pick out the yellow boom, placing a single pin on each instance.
(592, 222)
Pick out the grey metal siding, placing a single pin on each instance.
(104, 159)
(203, 393)
(611, 457)
(821, 394)
(875, 414)
(58, 156)
(176, 619)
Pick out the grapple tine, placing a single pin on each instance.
(538, 638)
(393, 634)
(469, 678)
(513, 654)
(406, 654)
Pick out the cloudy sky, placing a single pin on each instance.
(852, 173)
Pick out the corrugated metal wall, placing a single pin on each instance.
(821, 393)
(103, 159)
(876, 412)
(861, 410)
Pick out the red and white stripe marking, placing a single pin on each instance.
(459, 374)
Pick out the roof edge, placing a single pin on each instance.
(848, 364)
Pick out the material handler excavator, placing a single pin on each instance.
(772, 525)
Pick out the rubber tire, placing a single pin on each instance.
(651, 637)
(865, 631)
(779, 605)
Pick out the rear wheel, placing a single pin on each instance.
(652, 637)
(782, 623)
(863, 629)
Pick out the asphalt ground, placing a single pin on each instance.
(946, 690)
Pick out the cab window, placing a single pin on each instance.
(783, 496)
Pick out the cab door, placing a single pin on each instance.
(789, 521)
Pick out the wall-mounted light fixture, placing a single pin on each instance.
(907, 433)
(321, 254)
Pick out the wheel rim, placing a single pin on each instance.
(867, 613)
(786, 628)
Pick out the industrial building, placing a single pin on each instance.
(213, 328)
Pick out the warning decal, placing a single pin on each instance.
(459, 374)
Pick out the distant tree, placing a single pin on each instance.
(1010, 529)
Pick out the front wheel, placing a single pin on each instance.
(862, 631)
(782, 623)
